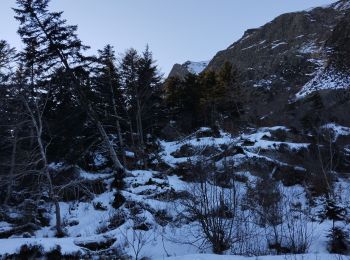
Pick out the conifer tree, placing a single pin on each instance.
(7, 55)
(59, 45)
(129, 80)
(149, 82)
(109, 94)
(334, 212)
(210, 96)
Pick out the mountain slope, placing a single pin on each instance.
(336, 74)
(286, 51)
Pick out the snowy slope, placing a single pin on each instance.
(325, 79)
(196, 67)
(148, 192)
(342, 5)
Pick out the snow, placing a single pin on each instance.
(254, 45)
(325, 79)
(263, 83)
(171, 147)
(129, 154)
(196, 67)
(249, 47)
(99, 160)
(337, 130)
(94, 176)
(172, 241)
(341, 5)
(318, 62)
(309, 48)
(277, 44)
(11, 246)
(269, 257)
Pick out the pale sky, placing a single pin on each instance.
(176, 30)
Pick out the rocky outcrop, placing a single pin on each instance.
(286, 52)
(336, 73)
(181, 70)
(339, 44)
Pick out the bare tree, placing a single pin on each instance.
(36, 116)
(137, 240)
(216, 210)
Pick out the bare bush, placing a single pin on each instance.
(136, 240)
(215, 209)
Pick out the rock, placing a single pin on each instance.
(73, 222)
(96, 244)
(181, 70)
(170, 132)
(185, 150)
(26, 235)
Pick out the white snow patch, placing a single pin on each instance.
(342, 5)
(277, 44)
(12, 246)
(325, 79)
(263, 83)
(254, 45)
(337, 130)
(309, 48)
(268, 257)
(196, 67)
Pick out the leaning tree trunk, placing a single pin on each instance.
(82, 97)
(119, 130)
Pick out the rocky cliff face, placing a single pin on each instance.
(289, 59)
(286, 52)
(181, 70)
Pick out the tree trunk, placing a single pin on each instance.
(116, 163)
(119, 130)
(12, 169)
(139, 123)
(38, 126)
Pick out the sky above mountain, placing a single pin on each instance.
(176, 30)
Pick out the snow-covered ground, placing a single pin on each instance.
(337, 130)
(282, 257)
(149, 193)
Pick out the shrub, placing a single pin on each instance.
(338, 243)
(119, 200)
(30, 252)
(99, 206)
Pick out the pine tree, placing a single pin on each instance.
(190, 97)
(129, 80)
(141, 83)
(172, 92)
(59, 45)
(209, 96)
(7, 56)
(229, 91)
(149, 83)
(107, 88)
(338, 237)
